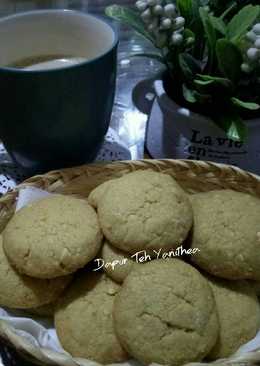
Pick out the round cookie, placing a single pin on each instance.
(165, 313)
(239, 316)
(84, 321)
(23, 292)
(98, 192)
(52, 237)
(227, 233)
(120, 263)
(144, 210)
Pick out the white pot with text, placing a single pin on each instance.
(176, 132)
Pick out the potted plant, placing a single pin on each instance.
(207, 103)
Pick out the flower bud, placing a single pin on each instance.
(190, 41)
(253, 54)
(166, 23)
(177, 39)
(157, 10)
(251, 36)
(257, 43)
(153, 25)
(246, 68)
(169, 10)
(256, 28)
(141, 5)
(151, 2)
(146, 15)
(179, 22)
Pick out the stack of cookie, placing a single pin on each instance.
(151, 306)
(41, 247)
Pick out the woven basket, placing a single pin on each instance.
(193, 176)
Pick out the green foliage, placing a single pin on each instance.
(229, 59)
(242, 21)
(129, 17)
(206, 67)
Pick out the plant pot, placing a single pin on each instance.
(176, 132)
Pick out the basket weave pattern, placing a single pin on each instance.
(193, 176)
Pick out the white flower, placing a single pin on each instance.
(179, 22)
(141, 5)
(157, 10)
(256, 29)
(151, 2)
(146, 15)
(177, 39)
(166, 23)
(251, 36)
(253, 54)
(245, 67)
(153, 25)
(162, 21)
(257, 43)
(170, 10)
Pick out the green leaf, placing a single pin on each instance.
(185, 8)
(243, 20)
(224, 82)
(189, 65)
(203, 82)
(228, 10)
(154, 56)
(218, 24)
(189, 94)
(233, 125)
(129, 17)
(247, 105)
(229, 59)
(210, 33)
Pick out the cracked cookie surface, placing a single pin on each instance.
(239, 315)
(52, 237)
(227, 232)
(165, 313)
(84, 321)
(23, 292)
(143, 210)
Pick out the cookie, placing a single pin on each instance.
(23, 292)
(117, 264)
(52, 237)
(84, 321)
(165, 313)
(227, 233)
(98, 192)
(239, 316)
(144, 210)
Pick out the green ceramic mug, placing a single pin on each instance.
(56, 116)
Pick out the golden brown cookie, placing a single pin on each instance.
(52, 237)
(23, 292)
(227, 233)
(144, 210)
(84, 321)
(239, 315)
(165, 313)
